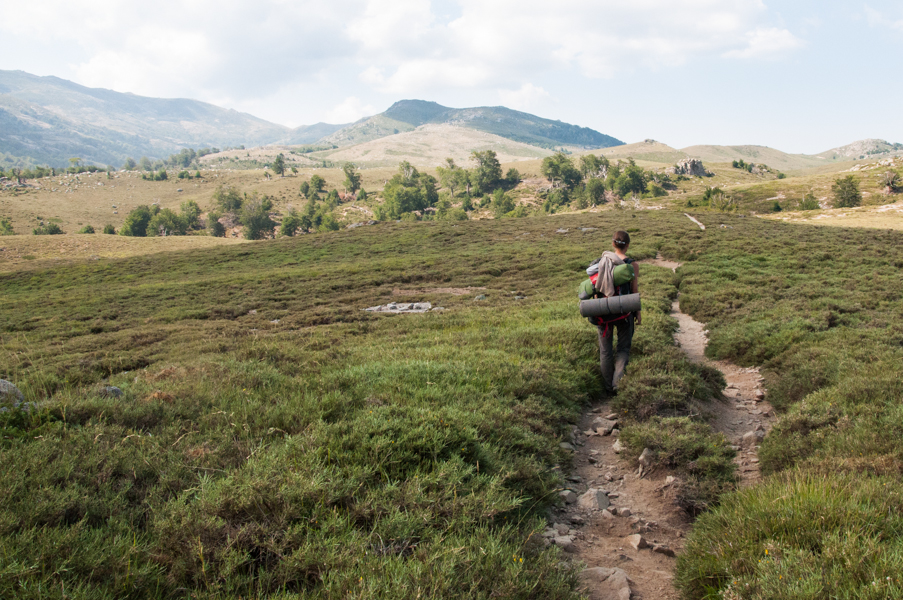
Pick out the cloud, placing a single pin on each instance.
(500, 43)
(768, 42)
(528, 98)
(349, 110)
(877, 19)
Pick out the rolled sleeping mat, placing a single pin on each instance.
(615, 305)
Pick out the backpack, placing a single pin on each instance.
(622, 275)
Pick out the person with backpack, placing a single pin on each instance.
(613, 358)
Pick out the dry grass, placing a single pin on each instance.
(889, 216)
(18, 252)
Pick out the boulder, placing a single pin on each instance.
(636, 541)
(607, 584)
(689, 166)
(568, 496)
(603, 426)
(645, 458)
(617, 447)
(752, 438)
(662, 549)
(10, 394)
(594, 499)
(565, 543)
(561, 528)
(111, 391)
(566, 446)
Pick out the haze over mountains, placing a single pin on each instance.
(47, 120)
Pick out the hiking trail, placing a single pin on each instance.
(644, 505)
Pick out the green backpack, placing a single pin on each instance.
(620, 275)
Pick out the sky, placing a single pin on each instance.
(801, 76)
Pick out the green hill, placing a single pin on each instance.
(407, 115)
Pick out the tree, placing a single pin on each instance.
(593, 167)
(304, 188)
(809, 202)
(352, 178)
(501, 204)
(129, 164)
(75, 162)
(228, 199)
(632, 180)
(594, 191)
(167, 222)
(407, 191)
(487, 176)
(215, 228)
(560, 170)
(449, 177)
(292, 222)
(278, 165)
(136, 221)
(191, 212)
(317, 184)
(846, 192)
(144, 163)
(294, 170)
(86, 229)
(255, 216)
(891, 181)
(512, 177)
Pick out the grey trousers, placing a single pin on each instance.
(613, 364)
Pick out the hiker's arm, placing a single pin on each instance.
(635, 288)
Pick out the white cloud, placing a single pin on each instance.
(877, 19)
(528, 98)
(502, 42)
(349, 110)
(766, 43)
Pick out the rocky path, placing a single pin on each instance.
(626, 527)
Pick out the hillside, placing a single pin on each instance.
(430, 145)
(406, 115)
(49, 120)
(870, 148)
(756, 154)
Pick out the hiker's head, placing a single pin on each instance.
(621, 240)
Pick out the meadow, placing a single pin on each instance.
(273, 439)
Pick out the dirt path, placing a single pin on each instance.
(644, 505)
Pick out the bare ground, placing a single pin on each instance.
(600, 536)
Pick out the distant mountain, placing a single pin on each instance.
(407, 115)
(48, 120)
(862, 149)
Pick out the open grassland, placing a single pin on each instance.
(821, 310)
(274, 439)
(21, 252)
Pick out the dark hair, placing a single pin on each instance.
(621, 239)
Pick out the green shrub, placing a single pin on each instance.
(167, 222)
(109, 229)
(809, 202)
(6, 227)
(781, 176)
(86, 229)
(49, 229)
(702, 459)
(214, 226)
(799, 536)
(228, 199)
(846, 192)
(776, 207)
(255, 216)
(137, 220)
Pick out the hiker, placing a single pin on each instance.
(614, 363)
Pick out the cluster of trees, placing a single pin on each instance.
(741, 164)
(148, 221)
(250, 210)
(187, 157)
(19, 174)
(586, 182)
